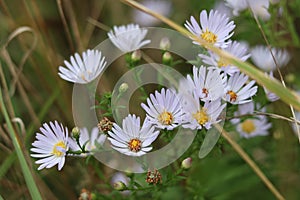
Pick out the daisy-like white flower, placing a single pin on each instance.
(197, 117)
(214, 28)
(131, 139)
(50, 146)
(208, 84)
(88, 140)
(237, 92)
(270, 95)
(251, 127)
(85, 69)
(237, 49)
(262, 57)
(164, 109)
(128, 38)
(162, 7)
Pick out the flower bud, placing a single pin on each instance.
(120, 186)
(167, 58)
(76, 132)
(186, 163)
(136, 56)
(165, 44)
(123, 87)
(105, 125)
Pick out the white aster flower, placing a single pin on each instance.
(251, 127)
(50, 146)
(208, 84)
(270, 95)
(162, 7)
(237, 49)
(85, 69)
(214, 28)
(131, 139)
(128, 38)
(262, 57)
(89, 140)
(196, 116)
(164, 109)
(236, 90)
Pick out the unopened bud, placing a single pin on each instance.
(120, 186)
(123, 87)
(167, 58)
(136, 56)
(186, 163)
(76, 132)
(165, 44)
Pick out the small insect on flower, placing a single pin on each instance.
(51, 146)
(83, 70)
(128, 38)
(164, 109)
(131, 139)
(215, 28)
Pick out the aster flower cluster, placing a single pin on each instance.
(197, 104)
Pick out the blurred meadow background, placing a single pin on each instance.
(36, 36)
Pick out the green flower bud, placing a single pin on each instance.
(167, 58)
(136, 56)
(123, 87)
(120, 186)
(186, 163)
(165, 44)
(76, 132)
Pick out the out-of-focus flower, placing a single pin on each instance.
(222, 8)
(197, 116)
(237, 49)
(214, 28)
(251, 127)
(258, 7)
(123, 87)
(90, 141)
(237, 6)
(262, 57)
(50, 146)
(128, 38)
(236, 90)
(208, 84)
(164, 109)
(85, 195)
(270, 95)
(162, 7)
(83, 70)
(131, 139)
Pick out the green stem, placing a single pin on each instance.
(34, 192)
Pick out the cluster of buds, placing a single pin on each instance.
(105, 125)
(153, 177)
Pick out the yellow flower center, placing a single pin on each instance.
(166, 118)
(201, 116)
(135, 145)
(248, 126)
(56, 152)
(222, 63)
(209, 37)
(233, 95)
